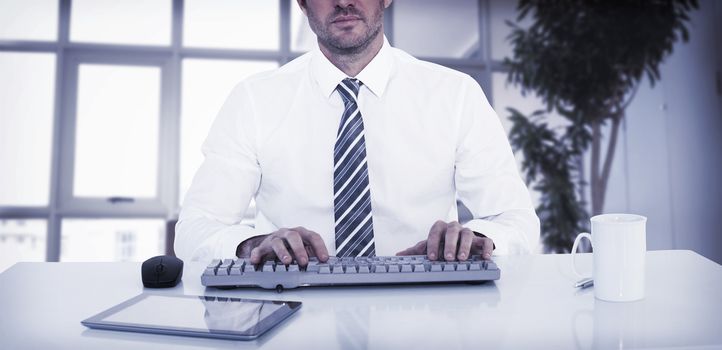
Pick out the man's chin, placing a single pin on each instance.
(349, 41)
(350, 45)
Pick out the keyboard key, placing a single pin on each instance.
(214, 263)
(225, 267)
(293, 268)
(337, 268)
(419, 267)
(212, 268)
(448, 267)
(363, 269)
(394, 268)
(436, 267)
(474, 266)
(462, 267)
(350, 268)
(406, 268)
(237, 267)
(380, 269)
(268, 266)
(324, 268)
(312, 266)
(281, 268)
(249, 268)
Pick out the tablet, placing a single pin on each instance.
(196, 316)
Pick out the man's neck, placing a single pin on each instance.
(353, 63)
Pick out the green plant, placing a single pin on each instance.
(585, 60)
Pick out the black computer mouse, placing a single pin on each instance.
(163, 271)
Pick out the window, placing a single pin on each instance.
(111, 239)
(422, 27)
(302, 38)
(502, 11)
(116, 149)
(26, 124)
(15, 15)
(21, 240)
(132, 22)
(232, 24)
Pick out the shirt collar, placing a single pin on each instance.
(374, 76)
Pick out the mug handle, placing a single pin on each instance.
(574, 252)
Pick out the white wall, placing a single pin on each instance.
(669, 166)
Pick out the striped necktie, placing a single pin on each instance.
(351, 191)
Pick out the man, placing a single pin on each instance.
(356, 149)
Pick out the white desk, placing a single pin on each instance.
(534, 305)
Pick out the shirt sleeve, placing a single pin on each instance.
(487, 179)
(209, 225)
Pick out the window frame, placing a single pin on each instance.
(69, 203)
(69, 55)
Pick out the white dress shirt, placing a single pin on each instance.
(431, 137)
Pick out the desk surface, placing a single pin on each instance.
(533, 305)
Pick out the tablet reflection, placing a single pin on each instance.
(232, 314)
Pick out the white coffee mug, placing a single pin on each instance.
(620, 246)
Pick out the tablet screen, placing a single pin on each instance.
(195, 314)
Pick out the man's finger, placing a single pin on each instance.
(484, 246)
(405, 252)
(451, 239)
(487, 248)
(417, 249)
(279, 247)
(255, 256)
(309, 251)
(466, 236)
(432, 242)
(315, 241)
(297, 247)
(259, 252)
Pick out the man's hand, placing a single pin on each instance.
(454, 241)
(285, 244)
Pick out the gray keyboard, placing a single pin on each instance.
(347, 271)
